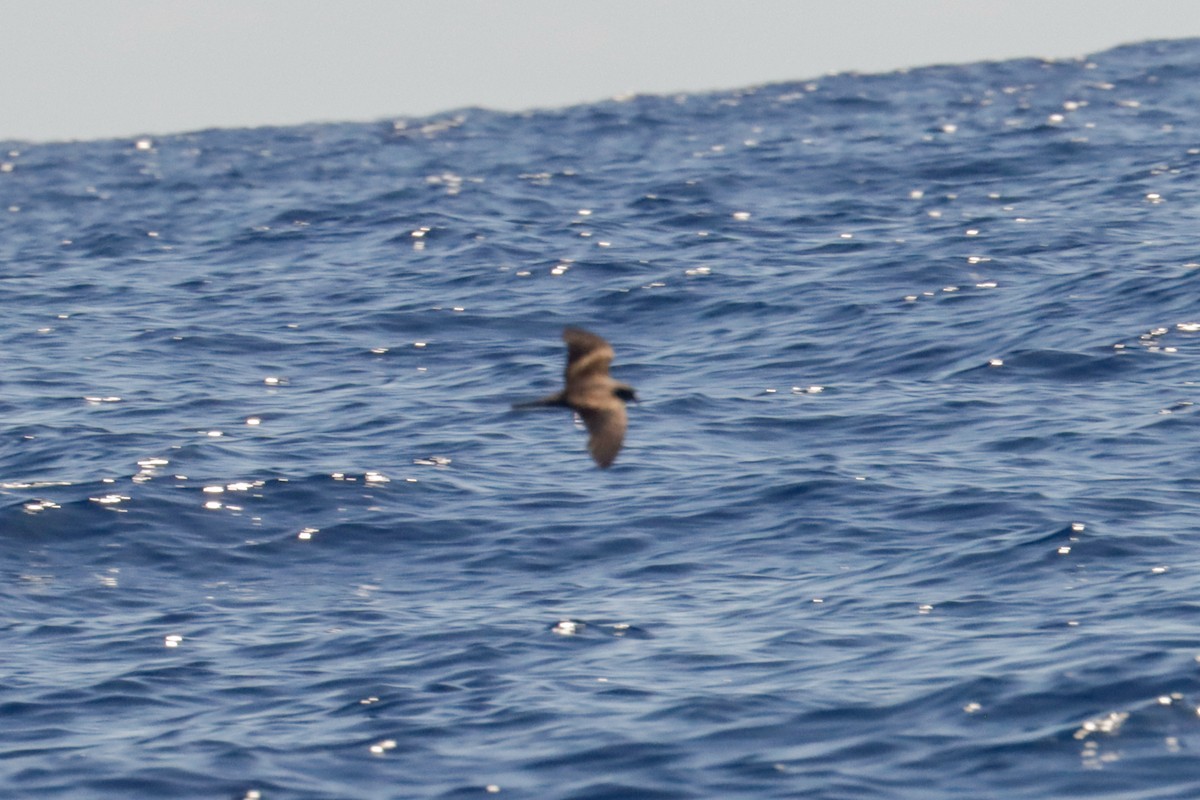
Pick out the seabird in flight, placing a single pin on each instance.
(592, 394)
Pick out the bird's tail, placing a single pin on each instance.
(556, 399)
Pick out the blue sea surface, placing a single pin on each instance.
(910, 507)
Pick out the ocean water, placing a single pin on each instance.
(910, 507)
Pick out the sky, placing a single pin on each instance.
(89, 69)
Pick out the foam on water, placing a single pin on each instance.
(908, 509)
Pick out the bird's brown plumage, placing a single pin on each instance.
(593, 394)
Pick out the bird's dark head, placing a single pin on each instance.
(625, 392)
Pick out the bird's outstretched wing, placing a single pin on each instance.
(606, 429)
(587, 355)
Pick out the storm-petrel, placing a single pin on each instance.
(592, 394)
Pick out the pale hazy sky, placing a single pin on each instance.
(82, 69)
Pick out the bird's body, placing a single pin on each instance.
(592, 394)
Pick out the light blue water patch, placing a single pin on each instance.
(908, 509)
